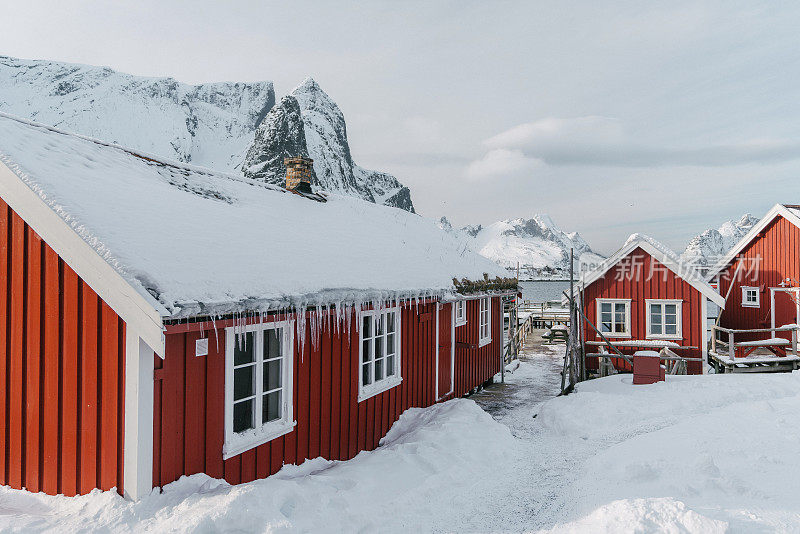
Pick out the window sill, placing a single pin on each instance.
(484, 342)
(461, 323)
(375, 389)
(667, 338)
(253, 438)
(615, 336)
(750, 305)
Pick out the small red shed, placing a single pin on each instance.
(160, 320)
(641, 298)
(760, 276)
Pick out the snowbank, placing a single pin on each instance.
(716, 447)
(426, 473)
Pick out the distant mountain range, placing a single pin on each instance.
(705, 249)
(537, 244)
(231, 127)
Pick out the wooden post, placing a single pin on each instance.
(714, 339)
(731, 347)
(794, 341)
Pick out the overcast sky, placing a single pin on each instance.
(612, 117)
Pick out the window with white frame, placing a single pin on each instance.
(380, 352)
(664, 319)
(258, 385)
(615, 317)
(461, 312)
(484, 321)
(751, 296)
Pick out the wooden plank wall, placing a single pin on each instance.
(61, 372)
(189, 400)
(663, 284)
(776, 252)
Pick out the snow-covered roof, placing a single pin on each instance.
(789, 212)
(665, 256)
(190, 240)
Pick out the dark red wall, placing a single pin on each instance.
(639, 288)
(778, 246)
(189, 397)
(62, 361)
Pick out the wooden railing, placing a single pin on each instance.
(730, 345)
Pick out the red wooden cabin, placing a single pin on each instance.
(760, 276)
(160, 320)
(642, 298)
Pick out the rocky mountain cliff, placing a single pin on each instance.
(705, 249)
(323, 137)
(539, 246)
(232, 127)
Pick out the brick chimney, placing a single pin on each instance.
(299, 171)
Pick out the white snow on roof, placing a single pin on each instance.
(190, 235)
(661, 247)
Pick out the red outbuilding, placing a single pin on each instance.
(643, 298)
(160, 320)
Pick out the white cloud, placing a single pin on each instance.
(603, 141)
(500, 163)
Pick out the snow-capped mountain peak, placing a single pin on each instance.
(537, 244)
(323, 139)
(231, 127)
(705, 249)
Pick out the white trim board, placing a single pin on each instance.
(772, 291)
(138, 314)
(696, 282)
(775, 211)
(138, 440)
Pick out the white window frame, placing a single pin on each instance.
(613, 302)
(484, 321)
(388, 382)
(461, 312)
(748, 304)
(678, 313)
(237, 443)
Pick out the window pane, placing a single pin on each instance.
(669, 309)
(379, 347)
(243, 382)
(606, 317)
(243, 416)
(366, 350)
(272, 343)
(271, 407)
(390, 322)
(390, 348)
(379, 324)
(389, 365)
(671, 329)
(670, 319)
(655, 309)
(244, 349)
(619, 327)
(605, 307)
(378, 370)
(366, 374)
(606, 326)
(655, 325)
(619, 307)
(366, 329)
(272, 375)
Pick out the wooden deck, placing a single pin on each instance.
(769, 355)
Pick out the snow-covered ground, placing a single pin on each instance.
(708, 453)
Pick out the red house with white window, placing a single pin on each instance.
(161, 319)
(642, 298)
(760, 276)
(760, 280)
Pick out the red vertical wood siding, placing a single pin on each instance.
(650, 279)
(189, 396)
(61, 371)
(771, 257)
